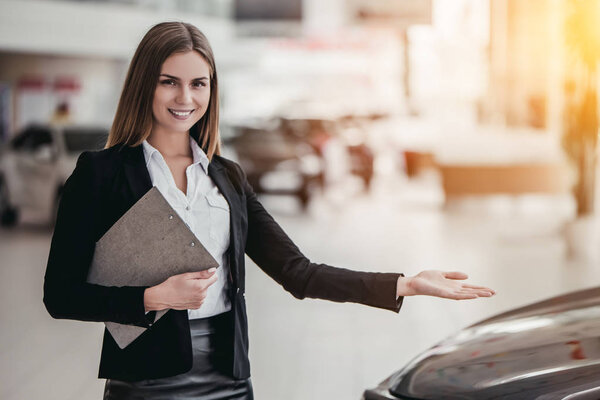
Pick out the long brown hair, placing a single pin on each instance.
(133, 119)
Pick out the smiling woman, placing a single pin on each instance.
(165, 134)
(172, 72)
(180, 94)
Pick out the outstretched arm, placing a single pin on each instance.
(275, 253)
(440, 284)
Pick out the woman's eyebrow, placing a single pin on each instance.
(176, 78)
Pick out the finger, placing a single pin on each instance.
(191, 275)
(487, 291)
(468, 286)
(479, 293)
(455, 275)
(466, 297)
(462, 296)
(202, 274)
(455, 294)
(205, 283)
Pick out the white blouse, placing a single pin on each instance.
(204, 209)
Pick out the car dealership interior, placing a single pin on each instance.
(383, 136)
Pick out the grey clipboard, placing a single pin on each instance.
(147, 245)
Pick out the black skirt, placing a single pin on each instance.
(209, 378)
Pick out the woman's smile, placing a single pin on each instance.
(181, 114)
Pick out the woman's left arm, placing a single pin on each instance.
(275, 253)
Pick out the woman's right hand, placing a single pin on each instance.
(180, 292)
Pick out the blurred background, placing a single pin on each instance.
(383, 136)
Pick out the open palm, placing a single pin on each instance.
(447, 285)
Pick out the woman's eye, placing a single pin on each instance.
(171, 82)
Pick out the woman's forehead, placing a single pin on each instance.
(186, 66)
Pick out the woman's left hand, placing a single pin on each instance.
(440, 284)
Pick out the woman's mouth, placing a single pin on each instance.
(180, 114)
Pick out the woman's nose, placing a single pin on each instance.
(184, 95)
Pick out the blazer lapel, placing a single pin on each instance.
(219, 176)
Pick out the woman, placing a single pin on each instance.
(165, 134)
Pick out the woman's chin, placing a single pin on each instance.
(179, 127)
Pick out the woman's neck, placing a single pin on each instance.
(170, 144)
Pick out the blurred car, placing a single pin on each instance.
(354, 130)
(547, 350)
(347, 130)
(277, 163)
(362, 161)
(34, 166)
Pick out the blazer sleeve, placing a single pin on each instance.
(66, 292)
(275, 253)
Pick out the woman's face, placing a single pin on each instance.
(182, 93)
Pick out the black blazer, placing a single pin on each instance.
(103, 186)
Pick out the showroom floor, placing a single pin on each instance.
(311, 349)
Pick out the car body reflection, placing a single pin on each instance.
(548, 350)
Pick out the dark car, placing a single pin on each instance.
(548, 350)
(34, 166)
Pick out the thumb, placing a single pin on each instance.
(198, 274)
(207, 273)
(455, 275)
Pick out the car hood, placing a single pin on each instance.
(545, 351)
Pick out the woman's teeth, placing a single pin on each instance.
(180, 113)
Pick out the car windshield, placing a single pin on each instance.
(78, 140)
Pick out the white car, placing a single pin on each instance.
(34, 166)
